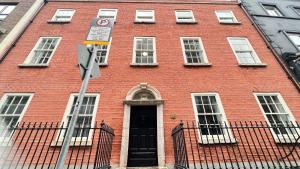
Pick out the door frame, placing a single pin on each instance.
(126, 122)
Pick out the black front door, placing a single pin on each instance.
(142, 149)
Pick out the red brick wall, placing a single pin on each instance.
(53, 85)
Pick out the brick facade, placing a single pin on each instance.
(53, 85)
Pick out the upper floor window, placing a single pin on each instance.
(244, 51)
(226, 16)
(145, 16)
(193, 50)
(295, 38)
(63, 15)
(86, 117)
(12, 109)
(42, 52)
(211, 118)
(144, 52)
(297, 10)
(185, 16)
(108, 13)
(102, 53)
(278, 116)
(272, 10)
(5, 10)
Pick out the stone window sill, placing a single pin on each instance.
(197, 64)
(58, 22)
(144, 22)
(33, 65)
(252, 65)
(144, 65)
(186, 22)
(230, 23)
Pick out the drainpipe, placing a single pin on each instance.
(9, 41)
(277, 56)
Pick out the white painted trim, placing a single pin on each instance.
(31, 54)
(134, 51)
(107, 53)
(232, 14)
(109, 9)
(228, 137)
(56, 12)
(256, 58)
(3, 99)
(67, 112)
(183, 21)
(201, 45)
(126, 126)
(142, 20)
(286, 138)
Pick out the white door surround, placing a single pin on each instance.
(143, 94)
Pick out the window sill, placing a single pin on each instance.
(58, 22)
(33, 65)
(73, 143)
(252, 65)
(197, 64)
(230, 23)
(103, 65)
(144, 22)
(186, 22)
(216, 140)
(286, 139)
(144, 65)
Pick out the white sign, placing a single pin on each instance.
(100, 30)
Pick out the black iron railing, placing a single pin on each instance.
(37, 146)
(238, 145)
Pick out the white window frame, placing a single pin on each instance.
(29, 58)
(183, 21)
(277, 10)
(279, 138)
(134, 52)
(107, 54)
(232, 14)
(291, 34)
(78, 140)
(2, 101)
(205, 60)
(108, 9)
(58, 10)
(5, 7)
(255, 56)
(209, 139)
(142, 20)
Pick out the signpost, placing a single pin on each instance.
(99, 34)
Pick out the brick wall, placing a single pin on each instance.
(53, 85)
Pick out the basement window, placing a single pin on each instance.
(5, 10)
(63, 15)
(12, 108)
(86, 117)
(43, 51)
(278, 116)
(211, 119)
(185, 16)
(145, 16)
(297, 10)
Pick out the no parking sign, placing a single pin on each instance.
(100, 31)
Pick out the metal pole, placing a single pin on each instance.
(70, 130)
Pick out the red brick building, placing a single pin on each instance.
(191, 61)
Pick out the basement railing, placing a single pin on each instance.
(238, 145)
(37, 146)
